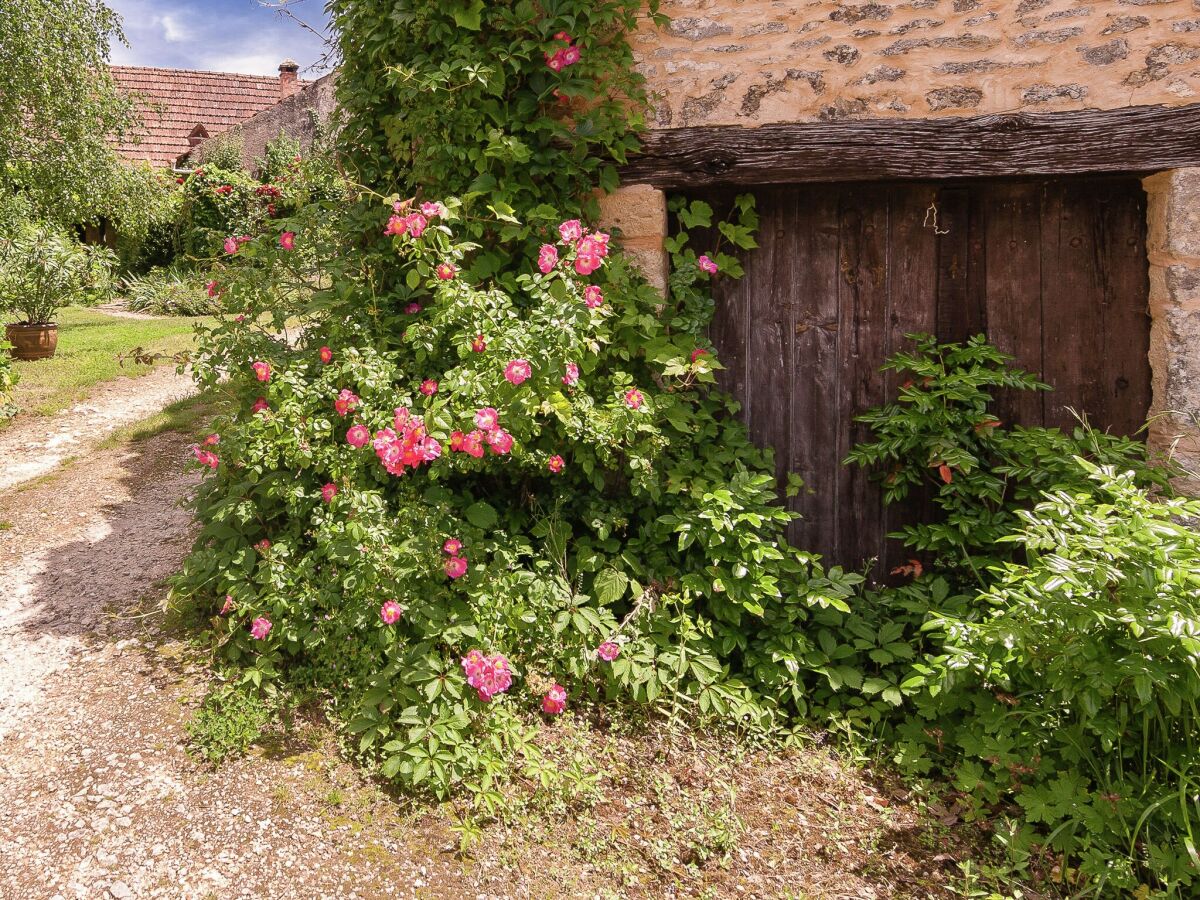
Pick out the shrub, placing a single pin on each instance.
(1045, 659)
(941, 437)
(543, 476)
(169, 291)
(43, 268)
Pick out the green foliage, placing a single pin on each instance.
(59, 106)
(228, 722)
(1046, 661)
(457, 99)
(941, 437)
(168, 291)
(8, 382)
(43, 268)
(224, 152)
(662, 532)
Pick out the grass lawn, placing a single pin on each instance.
(89, 343)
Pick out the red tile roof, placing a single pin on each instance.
(172, 102)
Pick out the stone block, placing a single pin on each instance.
(638, 212)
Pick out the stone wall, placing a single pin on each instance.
(1174, 249)
(749, 62)
(296, 116)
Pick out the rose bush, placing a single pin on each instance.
(571, 502)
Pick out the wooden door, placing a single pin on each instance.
(1053, 271)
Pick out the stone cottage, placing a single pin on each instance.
(1024, 169)
(1028, 169)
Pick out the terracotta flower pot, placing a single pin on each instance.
(32, 341)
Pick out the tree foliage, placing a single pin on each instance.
(59, 109)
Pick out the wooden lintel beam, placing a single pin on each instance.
(1129, 139)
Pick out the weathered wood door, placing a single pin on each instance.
(1053, 271)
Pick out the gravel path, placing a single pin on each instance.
(100, 798)
(36, 445)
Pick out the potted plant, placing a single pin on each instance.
(41, 269)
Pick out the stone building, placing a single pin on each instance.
(1028, 169)
(1024, 169)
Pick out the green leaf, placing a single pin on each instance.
(610, 585)
(482, 515)
(469, 16)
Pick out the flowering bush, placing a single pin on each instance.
(568, 513)
(8, 381)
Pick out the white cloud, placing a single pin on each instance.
(217, 35)
(173, 30)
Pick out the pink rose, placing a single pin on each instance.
(358, 436)
(486, 419)
(412, 309)
(587, 263)
(456, 567)
(518, 371)
(570, 56)
(500, 441)
(697, 353)
(212, 440)
(429, 387)
(417, 224)
(347, 401)
(453, 546)
(593, 296)
(608, 651)
(707, 265)
(571, 378)
(633, 398)
(228, 607)
(555, 700)
(328, 492)
(555, 464)
(231, 245)
(260, 405)
(287, 240)
(211, 289)
(478, 344)
(260, 628)
(547, 258)
(390, 612)
(396, 226)
(571, 231)
(326, 355)
(262, 370)
(433, 209)
(446, 271)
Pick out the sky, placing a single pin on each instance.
(246, 36)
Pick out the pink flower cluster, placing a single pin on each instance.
(456, 562)
(489, 675)
(590, 249)
(407, 445)
(347, 401)
(563, 56)
(234, 244)
(414, 224)
(555, 700)
(487, 431)
(571, 378)
(205, 457)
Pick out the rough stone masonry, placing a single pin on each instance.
(752, 62)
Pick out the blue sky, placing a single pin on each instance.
(219, 35)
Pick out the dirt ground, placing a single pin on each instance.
(101, 797)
